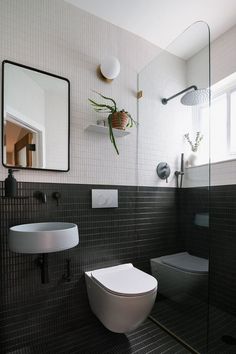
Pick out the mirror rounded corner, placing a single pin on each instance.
(31, 117)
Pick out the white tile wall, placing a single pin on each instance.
(223, 63)
(57, 37)
(161, 127)
(223, 55)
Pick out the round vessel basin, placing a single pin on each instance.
(43, 237)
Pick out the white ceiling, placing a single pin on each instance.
(161, 21)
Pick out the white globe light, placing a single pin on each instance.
(110, 67)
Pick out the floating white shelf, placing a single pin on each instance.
(104, 130)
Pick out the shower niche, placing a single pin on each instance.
(176, 88)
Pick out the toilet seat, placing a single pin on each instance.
(125, 280)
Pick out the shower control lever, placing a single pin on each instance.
(163, 171)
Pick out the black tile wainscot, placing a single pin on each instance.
(192, 201)
(222, 284)
(219, 245)
(34, 314)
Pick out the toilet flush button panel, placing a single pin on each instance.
(104, 198)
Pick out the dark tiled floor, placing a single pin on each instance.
(189, 320)
(148, 338)
(221, 324)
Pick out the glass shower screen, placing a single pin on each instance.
(174, 130)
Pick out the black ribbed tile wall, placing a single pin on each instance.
(192, 201)
(219, 245)
(222, 284)
(32, 314)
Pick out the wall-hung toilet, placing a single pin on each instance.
(121, 296)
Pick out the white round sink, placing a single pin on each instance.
(43, 237)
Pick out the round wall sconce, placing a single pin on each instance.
(110, 68)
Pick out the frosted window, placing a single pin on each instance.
(203, 127)
(222, 128)
(218, 131)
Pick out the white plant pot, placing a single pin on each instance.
(192, 159)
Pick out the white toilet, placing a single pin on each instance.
(121, 296)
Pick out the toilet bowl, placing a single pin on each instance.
(121, 296)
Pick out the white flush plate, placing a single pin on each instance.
(104, 198)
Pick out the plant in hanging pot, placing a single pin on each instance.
(118, 119)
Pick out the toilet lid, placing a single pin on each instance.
(125, 280)
(187, 262)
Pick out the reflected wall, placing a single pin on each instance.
(35, 118)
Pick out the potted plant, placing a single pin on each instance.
(118, 119)
(194, 145)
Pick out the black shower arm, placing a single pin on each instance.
(165, 100)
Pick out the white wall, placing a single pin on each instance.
(223, 64)
(162, 127)
(62, 39)
(57, 37)
(56, 128)
(223, 60)
(20, 88)
(223, 55)
(198, 69)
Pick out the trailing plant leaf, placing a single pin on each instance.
(105, 106)
(112, 138)
(131, 121)
(107, 98)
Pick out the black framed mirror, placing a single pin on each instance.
(35, 119)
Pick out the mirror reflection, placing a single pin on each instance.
(35, 119)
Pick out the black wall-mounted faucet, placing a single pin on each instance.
(42, 262)
(67, 275)
(56, 196)
(41, 196)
